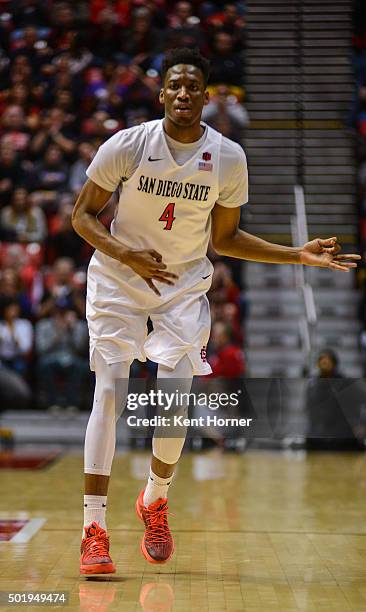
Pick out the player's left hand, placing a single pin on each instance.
(325, 254)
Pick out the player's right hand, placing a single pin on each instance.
(324, 254)
(149, 265)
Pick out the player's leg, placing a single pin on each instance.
(157, 543)
(177, 343)
(167, 448)
(110, 394)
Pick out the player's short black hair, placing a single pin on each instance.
(184, 55)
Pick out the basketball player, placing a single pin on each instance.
(180, 182)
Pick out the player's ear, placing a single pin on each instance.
(207, 97)
(161, 96)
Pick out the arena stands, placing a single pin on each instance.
(72, 74)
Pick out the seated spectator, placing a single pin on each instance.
(52, 172)
(16, 338)
(79, 56)
(105, 33)
(142, 40)
(24, 43)
(120, 10)
(27, 221)
(225, 104)
(229, 314)
(62, 19)
(231, 20)
(61, 287)
(142, 89)
(12, 289)
(86, 152)
(12, 173)
(21, 70)
(13, 256)
(61, 348)
(223, 289)
(55, 128)
(19, 95)
(99, 127)
(227, 358)
(181, 15)
(227, 66)
(96, 81)
(64, 99)
(63, 240)
(184, 30)
(158, 10)
(14, 129)
(334, 408)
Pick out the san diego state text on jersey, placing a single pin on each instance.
(159, 187)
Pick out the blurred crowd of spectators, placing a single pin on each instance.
(71, 75)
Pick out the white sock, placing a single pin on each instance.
(156, 487)
(94, 510)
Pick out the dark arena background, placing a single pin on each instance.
(270, 515)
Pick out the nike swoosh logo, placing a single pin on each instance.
(154, 158)
(204, 277)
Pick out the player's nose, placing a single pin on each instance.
(183, 94)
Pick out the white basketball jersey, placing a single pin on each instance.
(166, 207)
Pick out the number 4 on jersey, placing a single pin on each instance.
(168, 216)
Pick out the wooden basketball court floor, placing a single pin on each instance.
(256, 532)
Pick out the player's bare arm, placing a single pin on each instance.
(146, 263)
(229, 240)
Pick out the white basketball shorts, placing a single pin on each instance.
(119, 303)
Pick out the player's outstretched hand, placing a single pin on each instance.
(149, 265)
(324, 254)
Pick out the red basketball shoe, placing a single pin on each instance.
(94, 550)
(157, 544)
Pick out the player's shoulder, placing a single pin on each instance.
(133, 136)
(231, 148)
(126, 137)
(232, 153)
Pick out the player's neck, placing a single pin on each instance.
(181, 133)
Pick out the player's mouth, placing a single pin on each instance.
(183, 109)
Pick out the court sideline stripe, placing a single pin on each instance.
(28, 531)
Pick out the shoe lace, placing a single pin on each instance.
(96, 546)
(157, 525)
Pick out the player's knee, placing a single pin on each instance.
(105, 397)
(168, 450)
